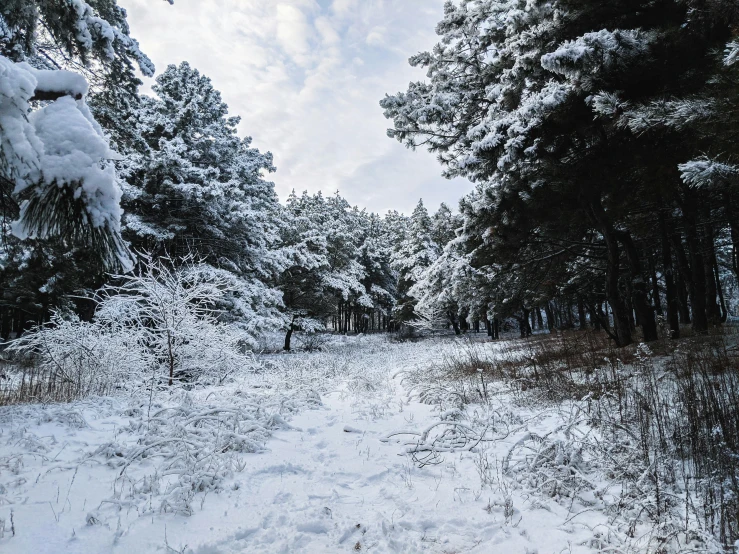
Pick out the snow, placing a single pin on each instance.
(731, 54)
(58, 80)
(320, 467)
(705, 172)
(74, 152)
(59, 145)
(20, 149)
(598, 51)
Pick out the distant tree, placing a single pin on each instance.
(413, 255)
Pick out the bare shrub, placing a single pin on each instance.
(461, 376)
(314, 342)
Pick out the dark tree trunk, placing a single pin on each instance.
(21, 324)
(644, 311)
(455, 323)
(596, 318)
(289, 335)
(524, 325)
(613, 263)
(7, 324)
(581, 320)
(570, 323)
(656, 300)
(619, 308)
(724, 311)
(671, 293)
(713, 311)
(682, 295)
(550, 316)
(697, 282)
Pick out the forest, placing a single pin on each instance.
(565, 336)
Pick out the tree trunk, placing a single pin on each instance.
(656, 300)
(455, 324)
(713, 311)
(722, 301)
(696, 275)
(289, 335)
(582, 322)
(596, 317)
(568, 307)
(550, 316)
(524, 325)
(671, 294)
(682, 295)
(644, 311)
(619, 307)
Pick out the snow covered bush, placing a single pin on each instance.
(193, 445)
(173, 304)
(69, 358)
(157, 324)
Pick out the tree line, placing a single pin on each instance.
(602, 141)
(188, 187)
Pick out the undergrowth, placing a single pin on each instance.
(648, 435)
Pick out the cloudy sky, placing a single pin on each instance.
(306, 77)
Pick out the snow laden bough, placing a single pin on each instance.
(55, 163)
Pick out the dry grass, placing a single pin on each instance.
(669, 414)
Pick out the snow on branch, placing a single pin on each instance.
(429, 317)
(705, 172)
(53, 84)
(94, 32)
(592, 53)
(57, 158)
(731, 54)
(677, 114)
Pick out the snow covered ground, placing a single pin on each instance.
(293, 457)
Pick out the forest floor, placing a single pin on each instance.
(298, 455)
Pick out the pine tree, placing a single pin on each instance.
(415, 253)
(197, 188)
(56, 177)
(541, 105)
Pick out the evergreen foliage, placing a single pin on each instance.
(599, 137)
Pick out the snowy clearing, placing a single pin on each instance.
(292, 458)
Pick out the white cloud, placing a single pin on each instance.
(376, 36)
(306, 77)
(344, 8)
(294, 33)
